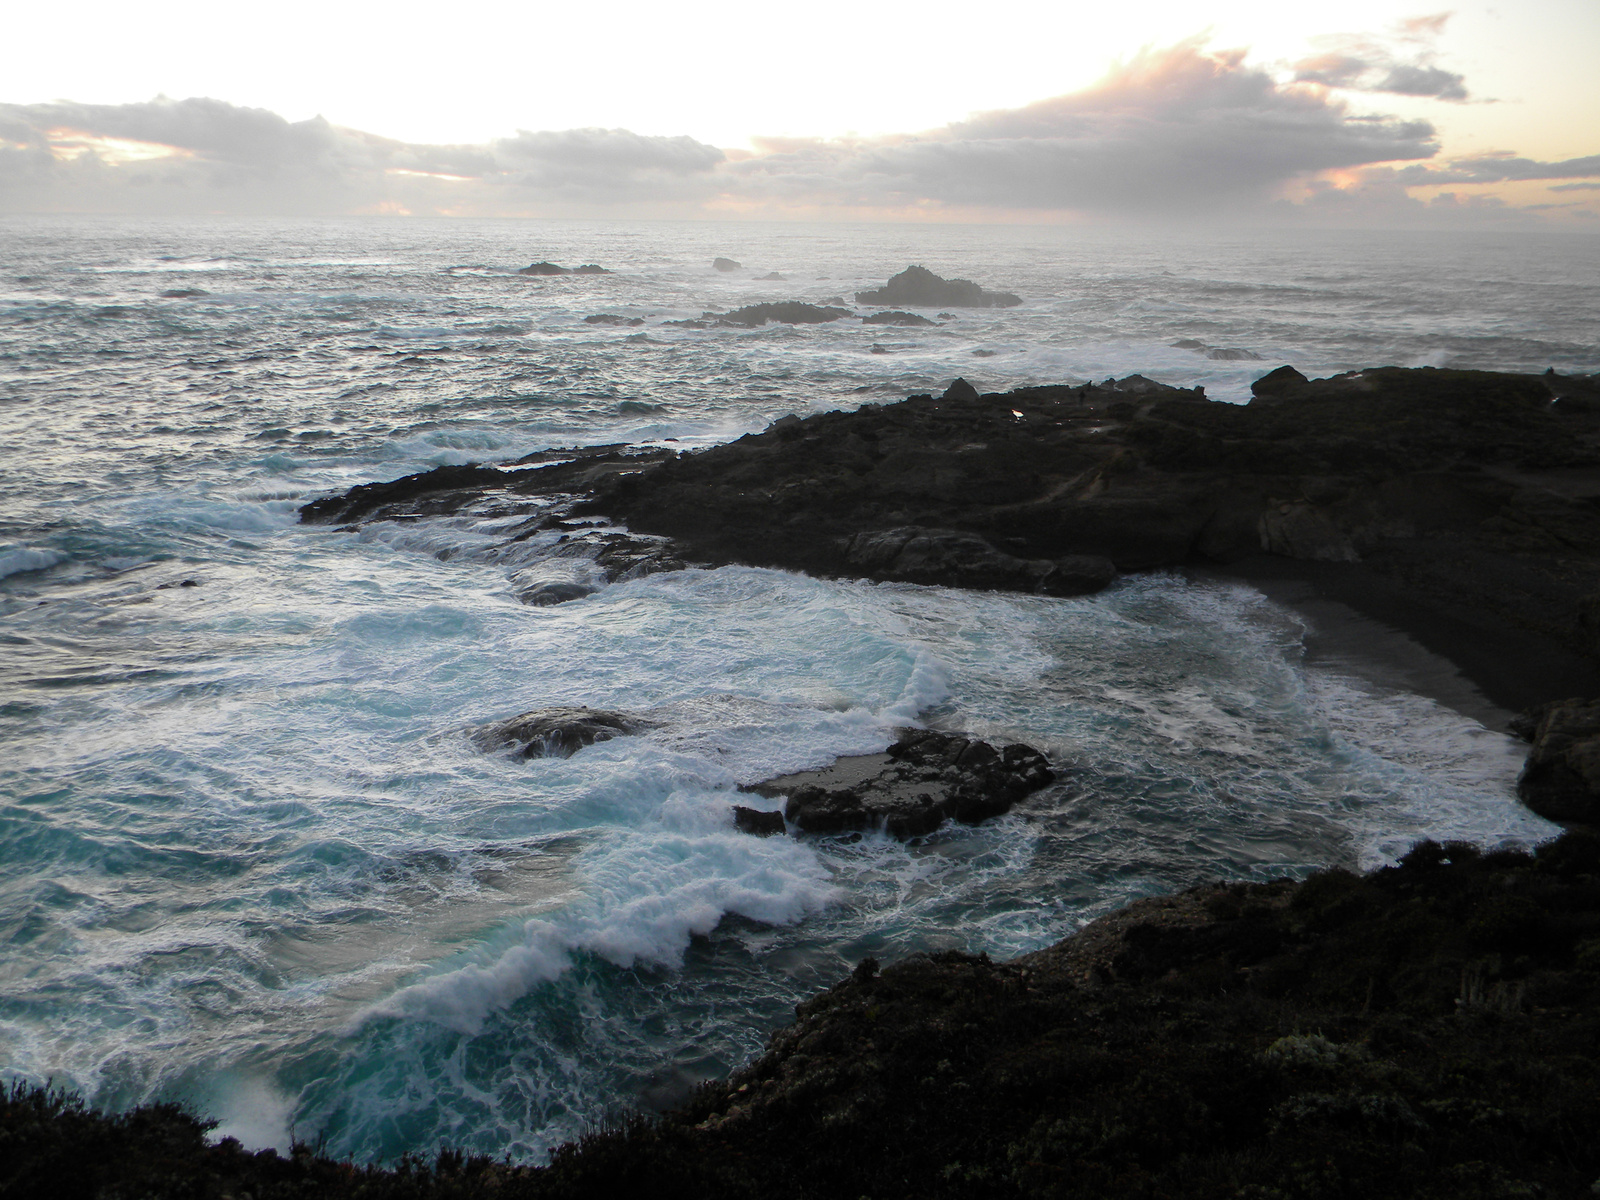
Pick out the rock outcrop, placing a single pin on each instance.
(550, 268)
(1562, 778)
(894, 317)
(788, 312)
(919, 287)
(556, 732)
(925, 779)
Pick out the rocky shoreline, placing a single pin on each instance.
(1426, 1030)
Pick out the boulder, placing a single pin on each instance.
(1561, 780)
(926, 778)
(724, 264)
(919, 287)
(557, 732)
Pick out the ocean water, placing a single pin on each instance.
(249, 857)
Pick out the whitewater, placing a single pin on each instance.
(250, 858)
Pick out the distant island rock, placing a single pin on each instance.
(921, 288)
(550, 268)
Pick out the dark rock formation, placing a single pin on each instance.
(1562, 778)
(556, 732)
(789, 312)
(550, 268)
(184, 293)
(926, 778)
(770, 277)
(895, 318)
(757, 822)
(612, 319)
(956, 559)
(725, 264)
(919, 287)
(1231, 354)
(1462, 505)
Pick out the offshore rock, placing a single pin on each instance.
(896, 318)
(724, 264)
(557, 732)
(612, 319)
(926, 778)
(1562, 778)
(788, 312)
(550, 268)
(919, 287)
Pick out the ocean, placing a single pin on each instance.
(250, 858)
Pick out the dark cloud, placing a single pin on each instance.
(207, 155)
(1498, 168)
(1173, 130)
(1366, 64)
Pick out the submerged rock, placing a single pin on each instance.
(924, 779)
(921, 288)
(612, 319)
(557, 732)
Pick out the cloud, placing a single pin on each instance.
(1174, 132)
(1361, 63)
(1499, 168)
(1178, 129)
(203, 155)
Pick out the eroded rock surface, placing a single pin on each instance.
(925, 778)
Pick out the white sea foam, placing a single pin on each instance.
(16, 560)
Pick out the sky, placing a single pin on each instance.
(1145, 110)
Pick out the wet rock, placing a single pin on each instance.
(557, 732)
(184, 294)
(926, 778)
(788, 312)
(544, 268)
(1561, 780)
(450, 487)
(725, 264)
(1302, 531)
(590, 269)
(895, 318)
(770, 277)
(757, 822)
(953, 558)
(1188, 344)
(612, 319)
(1231, 354)
(921, 288)
(534, 589)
